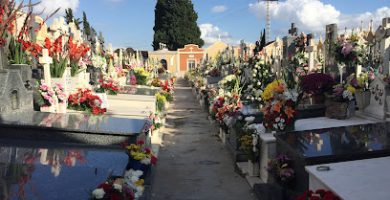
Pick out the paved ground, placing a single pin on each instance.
(193, 164)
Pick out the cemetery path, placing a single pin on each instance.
(193, 164)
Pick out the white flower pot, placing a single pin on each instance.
(122, 81)
(62, 107)
(103, 97)
(49, 109)
(253, 168)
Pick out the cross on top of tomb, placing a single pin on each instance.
(46, 60)
(293, 30)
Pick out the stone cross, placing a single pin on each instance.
(46, 60)
(311, 49)
(330, 37)
(293, 30)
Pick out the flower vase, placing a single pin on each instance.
(48, 109)
(62, 107)
(253, 168)
(122, 81)
(362, 99)
(103, 97)
(137, 165)
(340, 110)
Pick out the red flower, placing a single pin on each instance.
(153, 160)
(140, 142)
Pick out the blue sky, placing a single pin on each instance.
(129, 23)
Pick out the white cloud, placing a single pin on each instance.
(211, 34)
(49, 6)
(219, 9)
(314, 15)
(307, 14)
(354, 21)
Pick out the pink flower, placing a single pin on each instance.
(44, 87)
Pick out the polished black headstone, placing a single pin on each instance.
(79, 128)
(54, 171)
(338, 144)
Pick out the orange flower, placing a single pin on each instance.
(277, 107)
(289, 112)
(279, 88)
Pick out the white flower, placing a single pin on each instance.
(258, 83)
(277, 119)
(250, 86)
(117, 187)
(98, 193)
(254, 70)
(249, 119)
(146, 161)
(252, 98)
(254, 74)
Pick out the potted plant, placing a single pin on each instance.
(282, 170)
(314, 86)
(340, 103)
(362, 85)
(249, 143)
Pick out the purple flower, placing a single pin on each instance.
(338, 90)
(347, 48)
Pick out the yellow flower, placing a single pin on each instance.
(351, 89)
(138, 155)
(276, 86)
(139, 183)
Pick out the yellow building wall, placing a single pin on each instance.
(213, 50)
(170, 56)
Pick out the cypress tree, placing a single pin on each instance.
(262, 42)
(87, 27)
(175, 24)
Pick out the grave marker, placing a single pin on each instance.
(46, 60)
(311, 49)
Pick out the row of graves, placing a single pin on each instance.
(308, 121)
(77, 121)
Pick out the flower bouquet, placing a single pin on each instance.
(315, 85)
(260, 75)
(141, 75)
(48, 94)
(341, 104)
(84, 100)
(279, 107)
(318, 195)
(349, 52)
(281, 168)
(113, 189)
(108, 86)
(140, 157)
